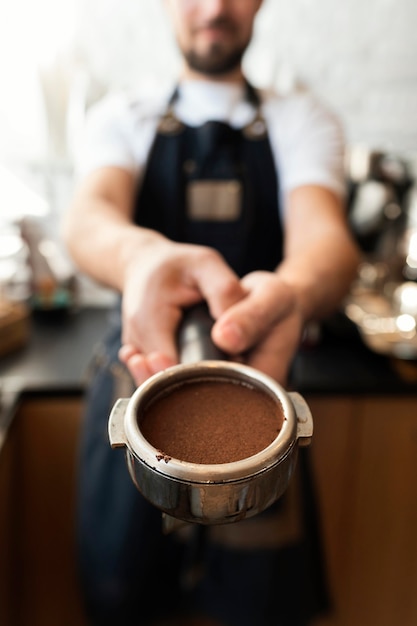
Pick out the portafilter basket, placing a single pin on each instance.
(209, 493)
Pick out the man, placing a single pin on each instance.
(221, 194)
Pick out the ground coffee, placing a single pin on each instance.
(210, 422)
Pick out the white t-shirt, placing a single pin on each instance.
(306, 138)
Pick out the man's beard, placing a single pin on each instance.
(216, 62)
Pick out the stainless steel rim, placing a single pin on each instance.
(192, 472)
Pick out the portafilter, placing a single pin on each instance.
(213, 492)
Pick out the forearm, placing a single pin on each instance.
(321, 286)
(321, 257)
(99, 232)
(102, 242)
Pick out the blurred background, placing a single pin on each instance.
(58, 58)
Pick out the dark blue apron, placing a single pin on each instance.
(265, 571)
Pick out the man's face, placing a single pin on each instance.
(213, 34)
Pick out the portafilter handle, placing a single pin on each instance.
(194, 336)
(194, 344)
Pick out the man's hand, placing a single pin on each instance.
(257, 320)
(159, 284)
(264, 329)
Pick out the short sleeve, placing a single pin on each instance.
(309, 144)
(106, 138)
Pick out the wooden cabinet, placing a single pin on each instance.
(38, 582)
(365, 458)
(364, 452)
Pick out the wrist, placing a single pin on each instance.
(137, 249)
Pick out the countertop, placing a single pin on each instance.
(54, 361)
(58, 352)
(57, 357)
(341, 363)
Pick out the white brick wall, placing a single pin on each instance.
(359, 55)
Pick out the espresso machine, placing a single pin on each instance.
(382, 206)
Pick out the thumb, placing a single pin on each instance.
(246, 322)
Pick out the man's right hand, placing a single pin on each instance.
(160, 282)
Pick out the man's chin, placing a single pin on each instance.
(215, 63)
